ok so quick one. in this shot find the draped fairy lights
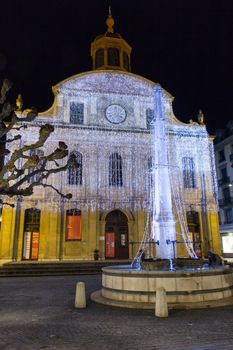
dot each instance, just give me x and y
(149, 174)
(97, 148)
(184, 179)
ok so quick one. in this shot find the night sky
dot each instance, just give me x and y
(186, 46)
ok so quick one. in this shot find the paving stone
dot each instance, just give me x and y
(38, 313)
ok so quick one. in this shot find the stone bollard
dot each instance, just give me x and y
(161, 308)
(80, 296)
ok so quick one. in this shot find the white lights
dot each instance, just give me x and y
(97, 139)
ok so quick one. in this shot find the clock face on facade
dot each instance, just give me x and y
(115, 114)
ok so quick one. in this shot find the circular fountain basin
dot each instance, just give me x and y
(185, 288)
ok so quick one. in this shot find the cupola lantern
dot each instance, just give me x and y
(109, 50)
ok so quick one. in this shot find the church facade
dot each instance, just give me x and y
(105, 116)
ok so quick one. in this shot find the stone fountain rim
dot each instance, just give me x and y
(127, 271)
(99, 299)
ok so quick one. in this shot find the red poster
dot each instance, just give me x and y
(73, 227)
(110, 245)
(35, 245)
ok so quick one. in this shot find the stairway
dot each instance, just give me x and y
(56, 268)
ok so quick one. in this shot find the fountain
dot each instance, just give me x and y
(195, 283)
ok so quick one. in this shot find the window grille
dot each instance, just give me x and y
(150, 171)
(115, 170)
(99, 58)
(113, 57)
(75, 171)
(36, 177)
(188, 172)
(125, 60)
(76, 113)
(150, 118)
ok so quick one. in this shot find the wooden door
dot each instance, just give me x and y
(31, 234)
(116, 235)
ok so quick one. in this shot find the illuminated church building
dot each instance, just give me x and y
(105, 116)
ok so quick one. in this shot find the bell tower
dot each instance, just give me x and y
(109, 50)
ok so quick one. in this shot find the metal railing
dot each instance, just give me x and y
(150, 247)
(224, 180)
(225, 201)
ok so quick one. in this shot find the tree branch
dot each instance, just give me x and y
(15, 173)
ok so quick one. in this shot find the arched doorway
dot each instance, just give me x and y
(116, 235)
(31, 234)
(194, 231)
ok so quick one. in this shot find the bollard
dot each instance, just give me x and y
(80, 296)
(161, 308)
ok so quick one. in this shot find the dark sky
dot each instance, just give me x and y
(185, 45)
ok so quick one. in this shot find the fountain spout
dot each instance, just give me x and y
(171, 267)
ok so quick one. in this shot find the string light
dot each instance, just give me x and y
(164, 199)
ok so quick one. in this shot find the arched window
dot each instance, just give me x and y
(76, 113)
(193, 222)
(150, 118)
(75, 171)
(115, 170)
(188, 172)
(150, 172)
(32, 219)
(113, 57)
(125, 60)
(36, 176)
(99, 58)
(31, 234)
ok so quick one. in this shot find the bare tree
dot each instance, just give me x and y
(23, 168)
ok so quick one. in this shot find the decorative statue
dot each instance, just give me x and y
(19, 103)
(201, 117)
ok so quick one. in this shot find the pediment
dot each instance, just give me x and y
(107, 82)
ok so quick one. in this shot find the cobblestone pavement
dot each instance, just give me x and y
(38, 313)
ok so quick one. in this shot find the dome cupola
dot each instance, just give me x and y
(109, 50)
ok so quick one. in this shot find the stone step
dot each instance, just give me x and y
(19, 269)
